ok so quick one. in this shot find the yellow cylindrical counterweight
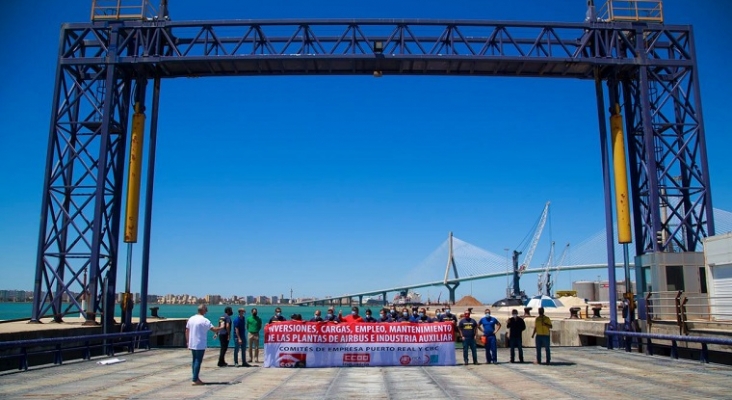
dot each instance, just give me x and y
(622, 201)
(134, 176)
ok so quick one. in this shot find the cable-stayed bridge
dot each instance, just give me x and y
(467, 262)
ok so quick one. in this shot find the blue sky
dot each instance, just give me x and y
(329, 185)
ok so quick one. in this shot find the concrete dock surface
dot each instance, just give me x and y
(575, 373)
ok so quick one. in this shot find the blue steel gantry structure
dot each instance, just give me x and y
(108, 68)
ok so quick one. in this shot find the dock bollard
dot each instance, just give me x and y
(527, 311)
(574, 313)
(596, 312)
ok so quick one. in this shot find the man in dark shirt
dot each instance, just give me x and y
(384, 316)
(516, 326)
(450, 317)
(278, 316)
(240, 338)
(393, 314)
(317, 317)
(467, 328)
(330, 316)
(423, 317)
(224, 335)
(369, 317)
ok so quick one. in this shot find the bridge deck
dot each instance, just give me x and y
(583, 373)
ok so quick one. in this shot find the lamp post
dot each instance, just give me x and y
(508, 270)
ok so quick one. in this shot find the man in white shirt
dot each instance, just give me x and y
(196, 336)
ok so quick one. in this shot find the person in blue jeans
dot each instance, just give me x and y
(490, 326)
(466, 328)
(197, 329)
(240, 338)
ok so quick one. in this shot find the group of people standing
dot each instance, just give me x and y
(418, 315)
(245, 330)
(242, 329)
(468, 328)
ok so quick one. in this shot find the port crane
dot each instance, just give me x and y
(546, 279)
(517, 296)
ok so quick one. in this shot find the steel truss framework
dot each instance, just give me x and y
(650, 70)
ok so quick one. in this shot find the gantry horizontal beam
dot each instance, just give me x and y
(361, 47)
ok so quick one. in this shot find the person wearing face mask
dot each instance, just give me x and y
(516, 326)
(467, 328)
(353, 317)
(384, 316)
(254, 326)
(393, 314)
(450, 317)
(317, 317)
(368, 317)
(404, 317)
(490, 326)
(278, 317)
(330, 316)
(422, 317)
(415, 315)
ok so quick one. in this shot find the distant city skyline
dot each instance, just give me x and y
(19, 295)
(332, 185)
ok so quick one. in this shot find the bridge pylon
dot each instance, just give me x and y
(451, 286)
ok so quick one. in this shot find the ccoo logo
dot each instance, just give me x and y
(405, 360)
(356, 357)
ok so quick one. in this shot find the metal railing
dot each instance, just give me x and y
(115, 10)
(106, 342)
(664, 306)
(632, 10)
(710, 309)
(684, 307)
(704, 341)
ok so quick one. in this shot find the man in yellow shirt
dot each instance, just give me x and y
(542, 325)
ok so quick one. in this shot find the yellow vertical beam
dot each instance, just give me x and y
(134, 176)
(622, 201)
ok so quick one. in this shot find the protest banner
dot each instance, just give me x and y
(294, 344)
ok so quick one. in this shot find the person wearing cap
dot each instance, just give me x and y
(353, 317)
(240, 338)
(490, 326)
(466, 328)
(516, 326)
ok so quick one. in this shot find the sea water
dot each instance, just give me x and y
(265, 312)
